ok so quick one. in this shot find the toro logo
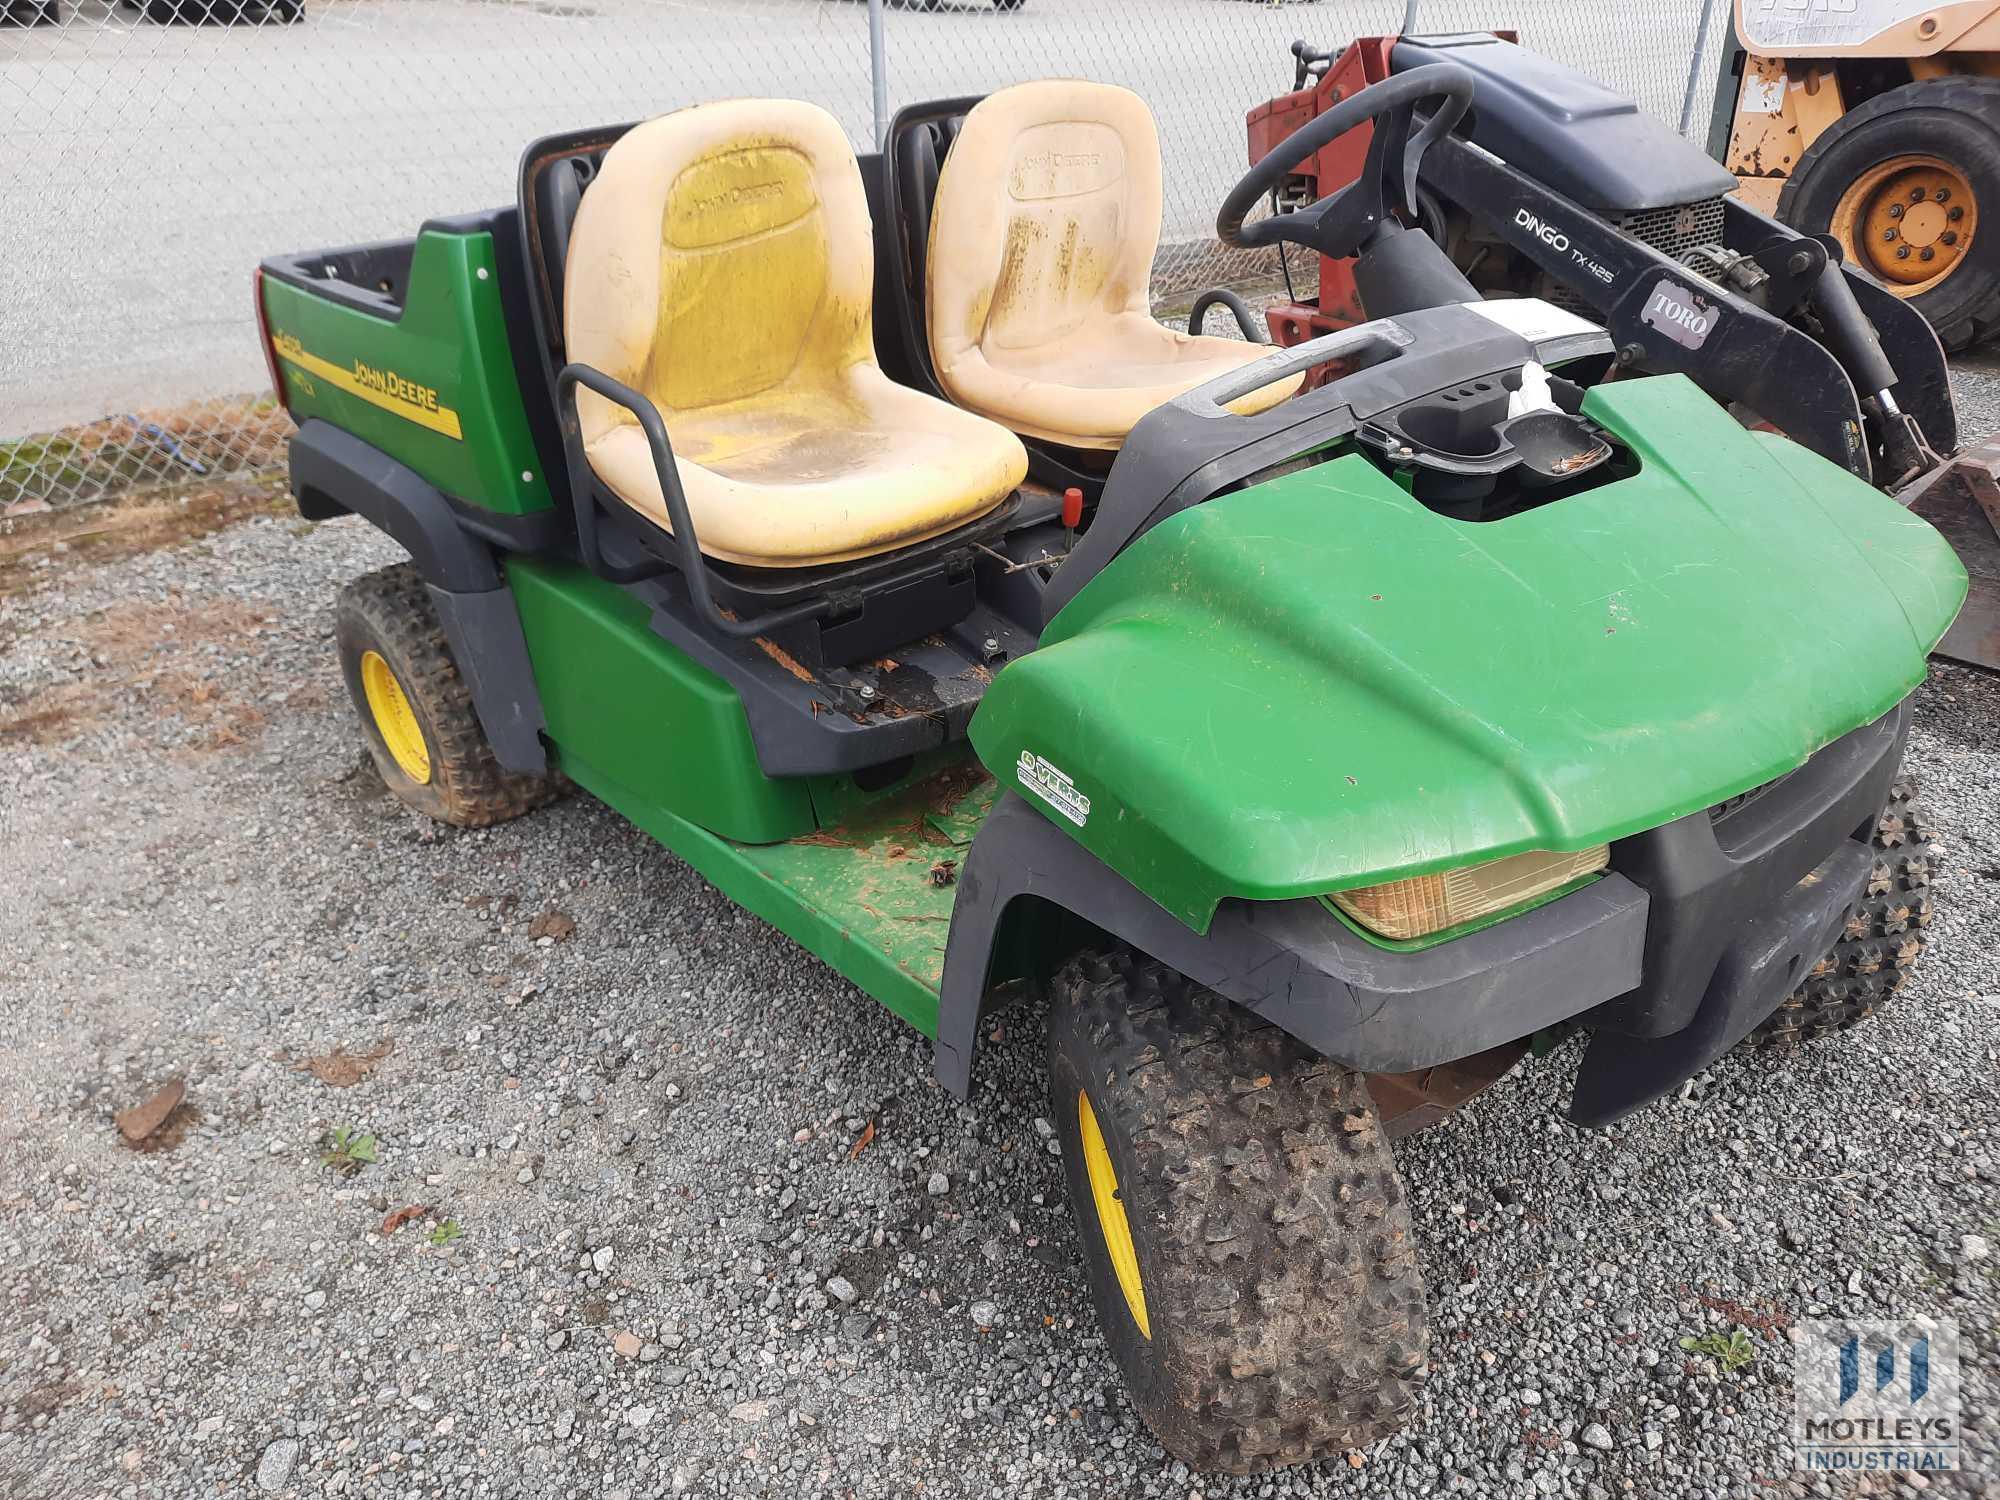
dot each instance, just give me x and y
(1547, 233)
(1674, 310)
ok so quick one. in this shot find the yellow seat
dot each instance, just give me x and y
(1039, 285)
(722, 263)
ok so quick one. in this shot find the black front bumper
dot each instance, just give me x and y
(1746, 896)
(1702, 927)
(1699, 930)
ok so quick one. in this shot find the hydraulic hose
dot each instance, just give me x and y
(1222, 296)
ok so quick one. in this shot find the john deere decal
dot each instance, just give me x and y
(384, 388)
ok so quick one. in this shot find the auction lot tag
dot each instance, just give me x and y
(1875, 1396)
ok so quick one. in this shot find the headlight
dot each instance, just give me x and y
(1425, 904)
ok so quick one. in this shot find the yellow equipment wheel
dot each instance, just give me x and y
(390, 712)
(1910, 220)
(1901, 182)
(415, 710)
(1112, 1225)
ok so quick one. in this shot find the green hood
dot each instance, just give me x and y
(1317, 683)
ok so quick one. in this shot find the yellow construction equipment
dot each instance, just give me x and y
(1876, 123)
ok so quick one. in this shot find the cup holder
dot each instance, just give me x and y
(1466, 429)
(1452, 430)
(1462, 422)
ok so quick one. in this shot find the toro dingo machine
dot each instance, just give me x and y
(1304, 747)
(1558, 188)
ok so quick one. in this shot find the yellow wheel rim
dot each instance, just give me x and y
(1111, 1221)
(394, 719)
(1908, 220)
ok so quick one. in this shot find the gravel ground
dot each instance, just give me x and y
(689, 1214)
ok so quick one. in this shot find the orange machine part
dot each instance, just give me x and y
(1339, 162)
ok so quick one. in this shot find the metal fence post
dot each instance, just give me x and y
(1694, 64)
(878, 71)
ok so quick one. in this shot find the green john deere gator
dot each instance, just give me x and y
(1308, 729)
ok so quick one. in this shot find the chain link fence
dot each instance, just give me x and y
(151, 154)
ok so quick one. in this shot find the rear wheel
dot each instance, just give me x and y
(1884, 937)
(1903, 182)
(416, 711)
(1242, 1223)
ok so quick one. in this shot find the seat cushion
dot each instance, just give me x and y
(821, 476)
(1090, 391)
(1038, 293)
(722, 263)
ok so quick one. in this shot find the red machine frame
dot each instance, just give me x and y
(1339, 162)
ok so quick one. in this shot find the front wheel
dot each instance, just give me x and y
(1242, 1224)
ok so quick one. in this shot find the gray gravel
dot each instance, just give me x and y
(649, 1260)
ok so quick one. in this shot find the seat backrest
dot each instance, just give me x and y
(558, 195)
(915, 155)
(722, 251)
(1046, 218)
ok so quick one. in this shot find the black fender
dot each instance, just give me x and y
(1293, 962)
(334, 473)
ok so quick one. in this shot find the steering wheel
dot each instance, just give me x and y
(1340, 225)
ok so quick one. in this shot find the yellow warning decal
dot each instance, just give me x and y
(384, 388)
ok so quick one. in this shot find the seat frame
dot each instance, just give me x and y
(860, 608)
(911, 162)
(842, 666)
(827, 615)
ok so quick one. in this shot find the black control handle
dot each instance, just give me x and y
(1339, 225)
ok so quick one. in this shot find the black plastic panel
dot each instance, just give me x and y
(1181, 453)
(1709, 875)
(372, 279)
(1293, 962)
(1570, 131)
(335, 473)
